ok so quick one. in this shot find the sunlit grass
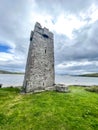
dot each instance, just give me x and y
(77, 110)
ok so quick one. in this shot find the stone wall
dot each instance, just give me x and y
(39, 73)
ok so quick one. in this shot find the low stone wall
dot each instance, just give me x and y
(56, 87)
(61, 88)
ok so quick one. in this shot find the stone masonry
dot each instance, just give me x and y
(39, 73)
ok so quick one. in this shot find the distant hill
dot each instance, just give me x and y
(9, 72)
(90, 75)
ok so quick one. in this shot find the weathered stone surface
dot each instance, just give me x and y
(39, 73)
(50, 88)
(61, 88)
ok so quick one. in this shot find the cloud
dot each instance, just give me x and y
(77, 67)
(68, 6)
(82, 48)
(14, 32)
(74, 24)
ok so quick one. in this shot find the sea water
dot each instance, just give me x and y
(17, 80)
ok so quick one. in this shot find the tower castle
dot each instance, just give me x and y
(39, 73)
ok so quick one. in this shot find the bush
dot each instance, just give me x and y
(92, 89)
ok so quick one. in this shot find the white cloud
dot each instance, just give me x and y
(74, 63)
(74, 24)
(66, 24)
(91, 14)
(5, 57)
(77, 67)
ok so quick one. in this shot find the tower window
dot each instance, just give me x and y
(45, 51)
(30, 38)
(45, 36)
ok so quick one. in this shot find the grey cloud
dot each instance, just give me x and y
(15, 27)
(91, 67)
(78, 68)
(69, 6)
(84, 46)
(13, 67)
(13, 19)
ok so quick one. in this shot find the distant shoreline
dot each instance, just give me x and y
(22, 73)
(13, 73)
(89, 75)
(8, 72)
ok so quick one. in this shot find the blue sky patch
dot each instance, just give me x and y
(4, 48)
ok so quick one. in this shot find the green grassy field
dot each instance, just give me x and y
(77, 110)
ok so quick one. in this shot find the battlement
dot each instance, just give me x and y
(38, 25)
(43, 31)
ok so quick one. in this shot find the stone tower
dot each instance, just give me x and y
(39, 73)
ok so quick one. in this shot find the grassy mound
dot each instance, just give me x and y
(77, 110)
(92, 89)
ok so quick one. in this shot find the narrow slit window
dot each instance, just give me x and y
(30, 38)
(45, 36)
(45, 51)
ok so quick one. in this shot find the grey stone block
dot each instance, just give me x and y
(50, 88)
(61, 88)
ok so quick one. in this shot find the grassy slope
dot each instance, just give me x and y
(90, 75)
(77, 110)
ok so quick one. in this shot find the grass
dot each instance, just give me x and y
(77, 110)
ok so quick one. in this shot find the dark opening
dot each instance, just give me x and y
(45, 50)
(30, 38)
(0, 85)
(43, 84)
(25, 86)
(44, 35)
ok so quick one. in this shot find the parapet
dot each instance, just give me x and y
(43, 31)
(38, 25)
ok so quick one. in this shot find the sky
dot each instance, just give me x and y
(73, 22)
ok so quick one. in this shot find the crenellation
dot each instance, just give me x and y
(38, 25)
(50, 35)
(43, 31)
